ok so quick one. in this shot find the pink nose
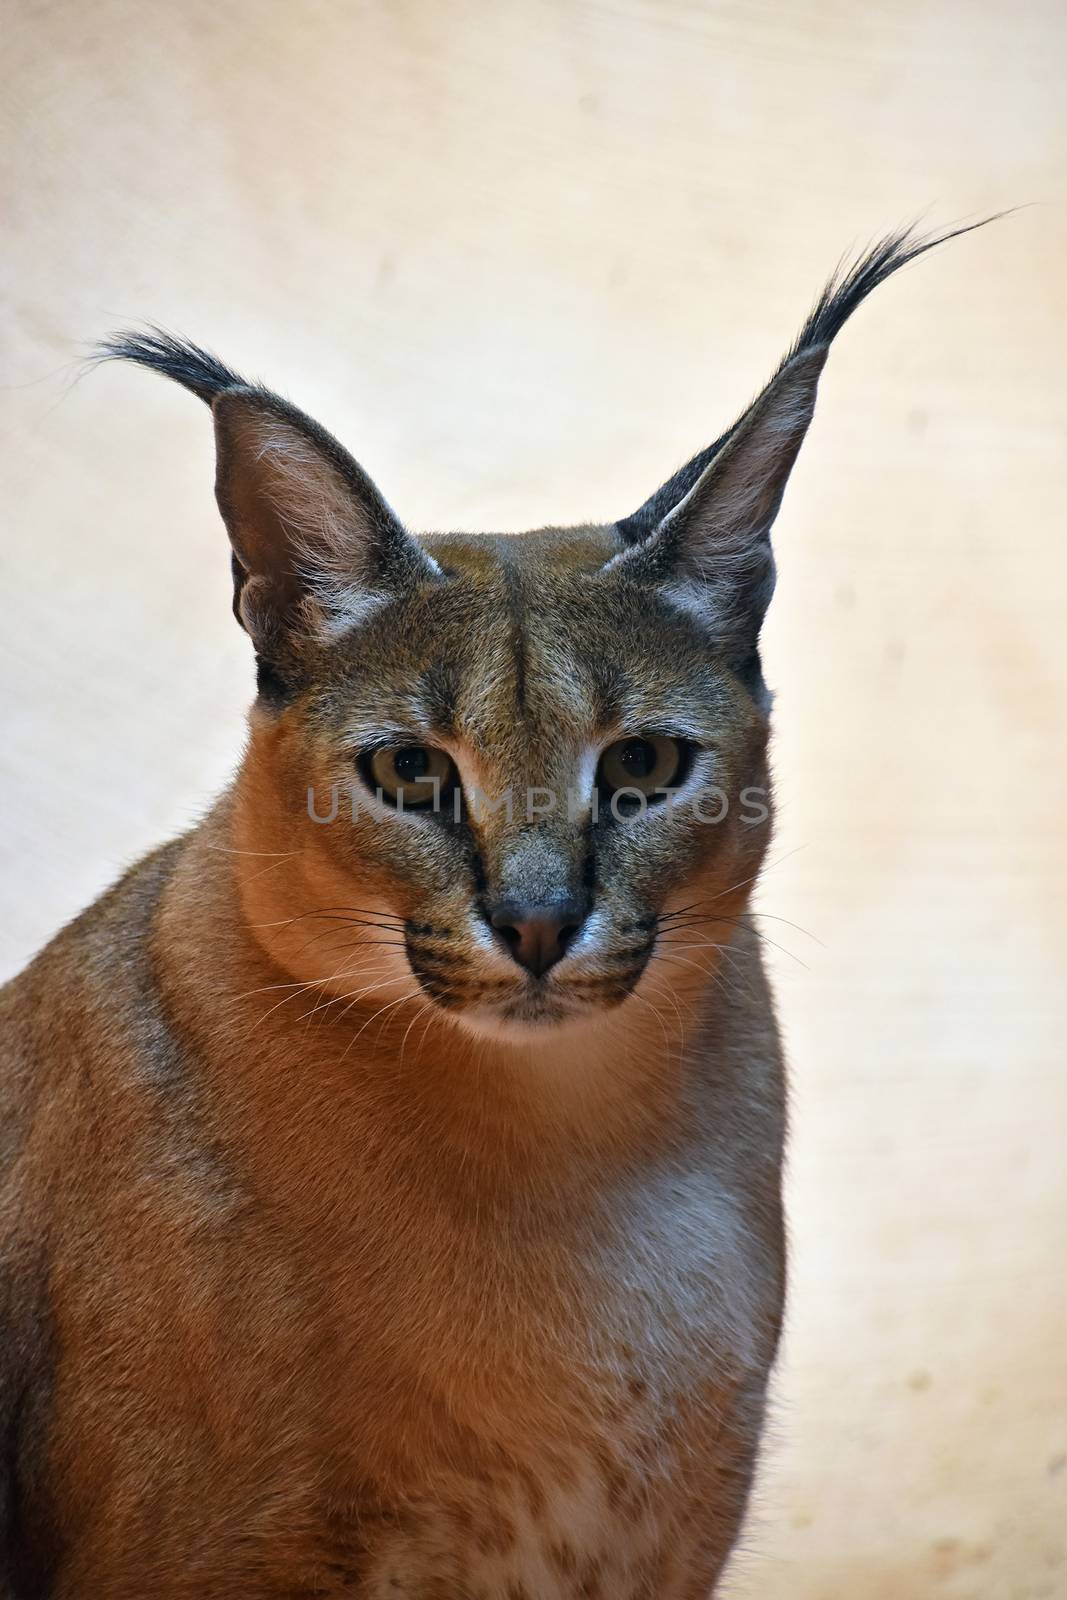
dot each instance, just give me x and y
(537, 935)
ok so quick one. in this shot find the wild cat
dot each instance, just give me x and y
(390, 1199)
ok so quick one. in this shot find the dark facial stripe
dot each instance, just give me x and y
(516, 609)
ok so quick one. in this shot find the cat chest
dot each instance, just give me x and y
(638, 1426)
(596, 1529)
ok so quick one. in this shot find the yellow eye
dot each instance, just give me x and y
(412, 775)
(644, 763)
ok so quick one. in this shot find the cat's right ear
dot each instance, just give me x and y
(709, 545)
(315, 545)
(705, 535)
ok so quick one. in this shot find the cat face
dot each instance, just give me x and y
(511, 770)
(461, 744)
(533, 755)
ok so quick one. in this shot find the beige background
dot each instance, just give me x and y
(524, 257)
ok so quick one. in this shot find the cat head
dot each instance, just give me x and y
(509, 775)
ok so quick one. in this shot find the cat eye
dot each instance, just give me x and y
(643, 763)
(412, 775)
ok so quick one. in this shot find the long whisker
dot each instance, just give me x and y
(765, 939)
(769, 916)
(671, 921)
(350, 919)
(361, 944)
(716, 974)
(426, 1006)
(760, 872)
(373, 1018)
(737, 922)
(313, 985)
(231, 850)
(352, 995)
(426, 1031)
(355, 998)
(662, 989)
(699, 922)
(300, 983)
(332, 933)
(328, 911)
(645, 1001)
(722, 949)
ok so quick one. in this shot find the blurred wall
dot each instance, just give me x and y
(524, 257)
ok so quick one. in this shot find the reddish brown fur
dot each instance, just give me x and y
(314, 1290)
(466, 1282)
(303, 1314)
(324, 1304)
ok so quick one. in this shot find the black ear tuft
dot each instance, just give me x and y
(847, 289)
(850, 285)
(186, 363)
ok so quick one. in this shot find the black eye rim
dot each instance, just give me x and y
(688, 750)
(364, 766)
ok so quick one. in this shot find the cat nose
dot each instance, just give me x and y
(537, 935)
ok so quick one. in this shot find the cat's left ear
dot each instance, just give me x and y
(705, 536)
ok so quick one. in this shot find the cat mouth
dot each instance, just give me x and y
(535, 1004)
(540, 1004)
(534, 1010)
(568, 992)
(534, 1013)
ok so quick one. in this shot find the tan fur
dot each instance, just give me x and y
(342, 1306)
(343, 1251)
(339, 1256)
(331, 1322)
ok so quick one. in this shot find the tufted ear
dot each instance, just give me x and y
(711, 550)
(314, 543)
(704, 537)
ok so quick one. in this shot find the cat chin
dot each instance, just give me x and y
(528, 1024)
